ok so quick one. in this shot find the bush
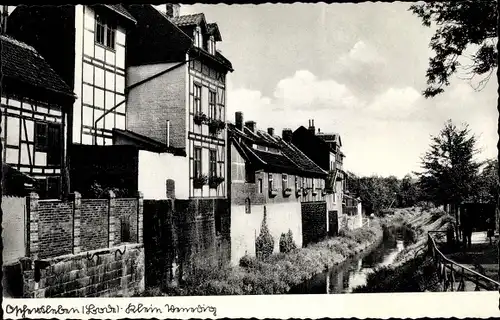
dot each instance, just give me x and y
(286, 242)
(416, 275)
(264, 244)
(248, 262)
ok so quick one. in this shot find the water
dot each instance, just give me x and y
(353, 272)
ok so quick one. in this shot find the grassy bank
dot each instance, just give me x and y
(276, 274)
(412, 270)
(415, 275)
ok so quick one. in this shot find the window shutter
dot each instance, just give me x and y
(54, 144)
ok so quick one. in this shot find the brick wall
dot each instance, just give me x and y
(94, 224)
(89, 262)
(178, 231)
(117, 271)
(154, 102)
(55, 228)
(314, 221)
(125, 214)
(63, 227)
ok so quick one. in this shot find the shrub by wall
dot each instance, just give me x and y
(286, 242)
(264, 244)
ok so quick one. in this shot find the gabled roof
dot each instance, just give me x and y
(22, 63)
(213, 29)
(330, 137)
(118, 8)
(300, 158)
(147, 143)
(155, 39)
(158, 38)
(288, 159)
(313, 137)
(189, 19)
(218, 57)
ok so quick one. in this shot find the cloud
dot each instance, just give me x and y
(395, 103)
(251, 102)
(304, 91)
(361, 53)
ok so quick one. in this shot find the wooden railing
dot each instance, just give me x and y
(452, 275)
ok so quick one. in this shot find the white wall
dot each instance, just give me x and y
(14, 228)
(156, 168)
(245, 227)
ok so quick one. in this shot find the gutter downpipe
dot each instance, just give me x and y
(131, 87)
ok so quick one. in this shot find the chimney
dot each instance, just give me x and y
(172, 10)
(238, 119)
(250, 125)
(270, 131)
(286, 134)
(312, 129)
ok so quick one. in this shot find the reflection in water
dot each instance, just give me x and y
(352, 273)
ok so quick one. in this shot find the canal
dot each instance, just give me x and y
(353, 272)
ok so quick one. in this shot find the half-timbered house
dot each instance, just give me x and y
(35, 102)
(177, 82)
(86, 45)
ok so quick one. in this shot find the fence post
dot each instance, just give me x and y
(112, 225)
(140, 213)
(33, 226)
(77, 203)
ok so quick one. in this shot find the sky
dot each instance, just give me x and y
(356, 69)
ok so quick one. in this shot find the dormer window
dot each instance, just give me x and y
(211, 45)
(198, 40)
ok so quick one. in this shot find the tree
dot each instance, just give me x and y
(376, 193)
(409, 192)
(488, 186)
(450, 172)
(461, 26)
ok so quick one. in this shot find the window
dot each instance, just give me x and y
(260, 186)
(197, 98)
(285, 181)
(48, 139)
(249, 174)
(105, 32)
(270, 186)
(212, 98)
(211, 45)
(248, 208)
(296, 183)
(197, 161)
(41, 137)
(213, 163)
(198, 40)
